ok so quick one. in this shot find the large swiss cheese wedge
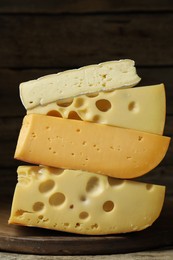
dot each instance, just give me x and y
(140, 108)
(74, 144)
(89, 79)
(82, 202)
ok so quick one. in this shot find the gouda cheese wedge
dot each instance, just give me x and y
(73, 144)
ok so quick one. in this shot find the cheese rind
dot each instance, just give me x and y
(89, 79)
(140, 108)
(73, 144)
(82, 202)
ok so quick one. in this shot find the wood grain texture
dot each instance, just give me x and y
(82, 6)
(166, 254)
(47, 41)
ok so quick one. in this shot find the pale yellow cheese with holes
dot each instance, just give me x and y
(89, 79)
(82, 202)
(140, 108)
(80, 145)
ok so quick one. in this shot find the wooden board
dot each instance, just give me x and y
(46, 41)
(92, 6)
(46, 242)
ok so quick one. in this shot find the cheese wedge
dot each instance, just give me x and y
(82, 202)
(140, 108)
(89, 79)
(73, 144)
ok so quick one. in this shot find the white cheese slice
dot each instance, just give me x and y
(82, 202)
(89, 79)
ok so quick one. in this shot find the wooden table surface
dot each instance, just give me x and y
(156, 255)
(41, 37)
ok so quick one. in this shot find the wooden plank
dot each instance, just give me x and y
(96, 6)
(10, 128)
(10, 80)
(70, 41)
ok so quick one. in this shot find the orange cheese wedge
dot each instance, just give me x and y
(65, 143)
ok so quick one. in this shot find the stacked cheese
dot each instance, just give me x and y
(89, 131)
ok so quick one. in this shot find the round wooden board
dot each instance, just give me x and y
(46, 242)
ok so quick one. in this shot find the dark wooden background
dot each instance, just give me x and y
(39, 37)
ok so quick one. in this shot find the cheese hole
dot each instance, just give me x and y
(57, 199)
(115, 182)
(103, 105)
(45, 220)
(96, 119)
(74, 115)
(94, 186)
(46, 186)
(78, 130)
(40, 217)
(20, 212)
(77, 225)
(33, 135)
(64, 103)
(38, 206)
(71, 206)
(140, 138)
(104, 76)
(54, 113)
(79, 102)
(83, 198)
(108, 206)
(56, 171)
(83, 215)
(94, 226)
(92, 95)
(132, 106)
(149, 186)
(66, 224)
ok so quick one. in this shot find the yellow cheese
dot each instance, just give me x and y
(82, 202)
(89, 79)
(141, 108)
(74, 144)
